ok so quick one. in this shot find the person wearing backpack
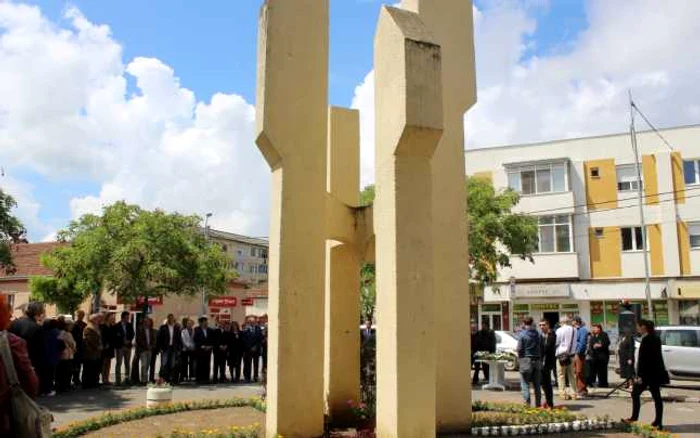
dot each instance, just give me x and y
(24, 371)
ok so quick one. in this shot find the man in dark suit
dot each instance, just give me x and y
(204, 344)
(77, 333)
(123, 342)
(549, 347)
(485, 340)
(651, 373)
(220, 343)
(252, 342)
(169, 345)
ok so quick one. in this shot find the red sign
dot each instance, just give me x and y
(248, 301)
(223, 302)
(153, 301)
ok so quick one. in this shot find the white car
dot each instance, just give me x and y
(507, 343)
(681, 351)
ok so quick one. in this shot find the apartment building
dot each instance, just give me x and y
(591, 246)
(248, 255)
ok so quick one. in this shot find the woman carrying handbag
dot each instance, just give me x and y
(19, 414)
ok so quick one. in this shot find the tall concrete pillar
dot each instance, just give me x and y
(451, 22)
(342, 348)
(408, 98)
(292, 99)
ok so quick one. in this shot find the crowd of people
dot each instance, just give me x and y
(69, 354)
(581, 357)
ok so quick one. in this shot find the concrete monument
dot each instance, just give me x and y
(319, 236)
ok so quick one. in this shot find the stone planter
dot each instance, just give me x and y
(156, 397)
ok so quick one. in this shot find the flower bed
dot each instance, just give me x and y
(645, 430)
(113, 418)
(485, 355)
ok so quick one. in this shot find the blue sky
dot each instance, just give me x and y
(211, 47)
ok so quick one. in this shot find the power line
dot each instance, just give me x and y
(653, 128)
(587, 205)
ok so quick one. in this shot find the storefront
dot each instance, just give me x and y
(687, 295)
(606, 314)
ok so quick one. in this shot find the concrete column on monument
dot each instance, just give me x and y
(292, 107)
(342, 348)
(451, 22)
(408, 99)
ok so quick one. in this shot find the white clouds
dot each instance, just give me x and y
(581, 90)
(65, 111)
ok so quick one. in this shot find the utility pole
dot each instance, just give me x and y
(647, 284)
(204, 292)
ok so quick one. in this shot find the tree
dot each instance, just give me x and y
(135, 253)
(495, 232)
(59, 291)
(11, 231)
(368, 284)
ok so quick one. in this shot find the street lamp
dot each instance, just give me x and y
(206, 236)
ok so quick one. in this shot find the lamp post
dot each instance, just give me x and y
(206, 236)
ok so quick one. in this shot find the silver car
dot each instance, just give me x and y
(681, 350)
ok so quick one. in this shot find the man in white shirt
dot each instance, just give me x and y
(170, 345)
(566, 349)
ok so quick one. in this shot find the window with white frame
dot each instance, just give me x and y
(540, 178)
(555, 234)
(627, 178)
(632, 239)
(691, 171)
(694, 233)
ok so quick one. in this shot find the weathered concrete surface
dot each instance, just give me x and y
(408, 98)
(342, 340)
(292, 122)
(451, 23)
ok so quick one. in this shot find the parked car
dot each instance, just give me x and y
(681, 351)
(507, 343)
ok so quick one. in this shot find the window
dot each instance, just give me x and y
(681, 338)
(691, 171)
(627, 179)
(262, 269)
(632, 239)
(542, 178)
(252, 251)
(694, 233)
(555, 234)
(595, 172)
(239, 252)
(599, 233)
(251, 269)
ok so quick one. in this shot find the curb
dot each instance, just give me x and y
(646, 397)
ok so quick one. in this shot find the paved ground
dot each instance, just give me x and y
(682, 418)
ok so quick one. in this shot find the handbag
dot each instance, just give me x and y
(564, 359)
(29, 420)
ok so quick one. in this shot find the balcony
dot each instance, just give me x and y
(546, 266)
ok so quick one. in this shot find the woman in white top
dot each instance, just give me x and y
(187, 362)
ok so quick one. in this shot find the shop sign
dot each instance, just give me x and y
(569, 306)
(687, 291)
(153, 301)
(490, 307)
(542, 290)
(248, 302)
(544, 306)
(521, 307)
(223, 302)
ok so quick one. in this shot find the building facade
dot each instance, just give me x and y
(248, 255)
(591, 245)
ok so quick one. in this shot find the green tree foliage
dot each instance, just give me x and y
(495, 232)
(11, 231)
(135, 253)
(368, 284)
(59, 291)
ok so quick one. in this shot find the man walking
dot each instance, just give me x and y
(529, 357)
(566, 350)
(549, 347)
(485, 340)
(123, 341)
(169, 344)
(582, 334)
